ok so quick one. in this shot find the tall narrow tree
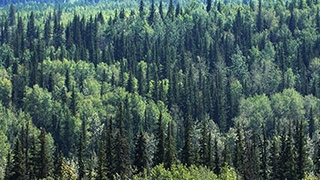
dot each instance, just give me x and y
(141, 157)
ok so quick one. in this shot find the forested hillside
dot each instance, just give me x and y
(160, 90)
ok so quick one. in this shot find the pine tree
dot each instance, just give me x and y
(239, 152)
(122, 155)
(81, 160)
(152, 13)
(287, 167)
(264, 154)
(31, 30)
(170, 10)
(301, 153)
(226, 155)
(12, 16)
(102, 156)
(18, 171)
(217, 163)
(161, 10)
(204, 149)
(170, 151)
(58, 163)
(44, 156)
(8, 167)
(141, 157)
(311, 123)
(160, 149)
(317, 158)
(274, 159)
(209, 3)
(110, 154)
(187, 151)
(141, 9)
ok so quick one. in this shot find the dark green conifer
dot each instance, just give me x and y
(81, 158)
(102, 156)
(159, 151)
(152, 13)
(217, 163)
(18, 171)
(187, 151)
(12, 16)
(141, 157)
(170, 156)
(44, 156)
(209, 4)
(301, 152)
(204, 149)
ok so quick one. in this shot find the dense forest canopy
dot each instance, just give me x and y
(160, 89)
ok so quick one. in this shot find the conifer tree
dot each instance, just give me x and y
(301, 153)
(8, 167)
(204, 149)
(317, 158)
(141, 157)
(160, 148)
(57, 165)
(226, 155)
(44, 156)
(311, 123)
(152, 13)
(122, 156)
(170, 10)
(102, 156)
(264, 152)
(161, 10)
(187, 151)
(217, 163)
(209, 4)
(170, 151)
(110, 155)
(274, 159)
(12, 16)
(81, 160)
(286, 163)
(18, 171)
(141, 9)
(239, 152)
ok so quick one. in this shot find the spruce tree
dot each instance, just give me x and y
(239, 152)
(141, 157)
(187, 151)
(102, 156)
(226, 155)
(204, 149)
(8, 167)
(58, 164)
(274, 159)
(152, 13)
(301, 152)
(217, 163)
(110, 155)
(12, 16)
(141, 9)
(264, 154)
(287, 167)
(122, 154)
(81, 158)
(170, 156)
(18, 171)
(44, 156)
(161, 10)
(209, 3)
(160, 148)
(170, 10)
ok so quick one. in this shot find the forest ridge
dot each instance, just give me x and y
(159, 90)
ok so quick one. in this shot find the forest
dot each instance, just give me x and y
(154, 89)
